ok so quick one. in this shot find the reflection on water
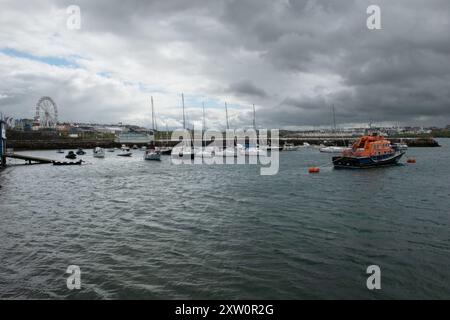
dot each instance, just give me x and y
(149, 230)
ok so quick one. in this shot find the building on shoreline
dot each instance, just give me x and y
(136, 137)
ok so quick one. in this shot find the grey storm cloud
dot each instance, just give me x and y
(246, 88)
(293, 59)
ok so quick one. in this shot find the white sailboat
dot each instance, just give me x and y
(186, 150)
(151, 153)
(228, 151)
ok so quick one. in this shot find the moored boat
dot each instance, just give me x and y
(290, 147)
(368, 152)
(333, 149)
(99, 153)
(125, 152)
(152, 154)
(80, 152)
(71, 155)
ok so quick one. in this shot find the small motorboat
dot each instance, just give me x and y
(251, 151)
(71, 155)
(99, 153)
(125, 152)
(80, 152)
(400, 146)
(152, 154)
(144, 148)
(290, 147)
(60, 151)
(135, 147)
(368, 152)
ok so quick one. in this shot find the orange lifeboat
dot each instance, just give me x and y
(368, 152)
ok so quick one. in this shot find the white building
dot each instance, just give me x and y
(133, 137)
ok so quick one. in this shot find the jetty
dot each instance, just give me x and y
(29, 159)
(38, 160)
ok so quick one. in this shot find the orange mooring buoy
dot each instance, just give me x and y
(411, 160)
(314, 170)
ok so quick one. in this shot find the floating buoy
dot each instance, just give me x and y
(411, 160)
(314, 170)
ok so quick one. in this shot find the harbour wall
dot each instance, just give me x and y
(53, 144)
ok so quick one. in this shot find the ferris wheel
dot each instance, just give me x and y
(46, 113)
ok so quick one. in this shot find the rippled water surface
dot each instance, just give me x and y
(151, 230)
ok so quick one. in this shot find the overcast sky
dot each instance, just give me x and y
(293, 59)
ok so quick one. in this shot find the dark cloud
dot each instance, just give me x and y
(246, 88)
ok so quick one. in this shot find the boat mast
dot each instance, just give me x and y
(153, 115)
(167, 135)
(184, 116)
(254, 118)
(204, 120)
(334, 119)
(226, 115)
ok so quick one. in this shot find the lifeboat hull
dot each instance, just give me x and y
(346, 162)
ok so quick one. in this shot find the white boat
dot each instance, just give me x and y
(99, 153)
(290, 147)
(227, 152)
(333, 149)
(125, 152)
(251, 151)
(206, 152)
(400, 146)
(152, 154)
(306, 145)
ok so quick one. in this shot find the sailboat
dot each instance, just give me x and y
(152, 153)
(251, 150)
(205, 151)
(184, 151)
(333, 149)
(166, 150)
(228, 151)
